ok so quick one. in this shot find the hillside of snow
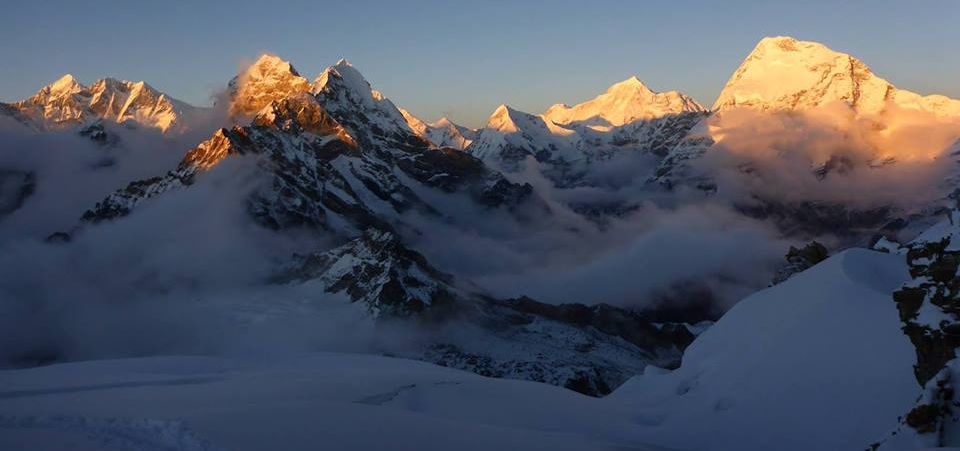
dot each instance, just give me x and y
(793, 367)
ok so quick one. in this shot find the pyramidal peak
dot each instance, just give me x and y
(502, 119)
(785, 74)
(351, 78)
(268, 79)
(622, 103)
(269, 64)
(65, 85)
(632, 84)
(506, 119)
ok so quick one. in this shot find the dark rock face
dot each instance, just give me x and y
(13, 113)
(589, 378)
(686, 302)
(808, 219)
(934, 269)
(590, 349)
(924, 418)
(377, 270)
(657, 136)
(929, 307)
(15, 188)
(799, 260)
(98, 133)
(629, 326)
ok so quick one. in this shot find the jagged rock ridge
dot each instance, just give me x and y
(590, 349)
(335, 158)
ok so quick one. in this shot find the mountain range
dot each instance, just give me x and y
(424, 228)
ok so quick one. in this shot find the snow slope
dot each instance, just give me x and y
(316, 401)
(442, 133)
(817, 362)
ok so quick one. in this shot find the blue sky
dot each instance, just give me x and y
(462, 59)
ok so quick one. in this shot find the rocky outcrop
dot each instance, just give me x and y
(590, 349)
(929, 307)
(15, 188)
(799, 260)
(378, 271)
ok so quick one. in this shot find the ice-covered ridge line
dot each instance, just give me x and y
(66, 102)
(624, 102)
(441, 133)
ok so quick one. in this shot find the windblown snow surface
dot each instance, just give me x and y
(793, 367)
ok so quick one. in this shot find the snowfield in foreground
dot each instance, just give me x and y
(321, 401)
(793, 367)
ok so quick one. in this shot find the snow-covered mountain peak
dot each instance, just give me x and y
(502, 119)
(268, 79)
(630, 85)
(67, 102)
(66, 84)
(510, 136)
(785, 74)
(271, 66)
(350, 78)
(624, 102)
(344, 93)
(506, 119)
(441, 133)
(784, 43)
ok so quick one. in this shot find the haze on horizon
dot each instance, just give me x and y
(461, 61)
